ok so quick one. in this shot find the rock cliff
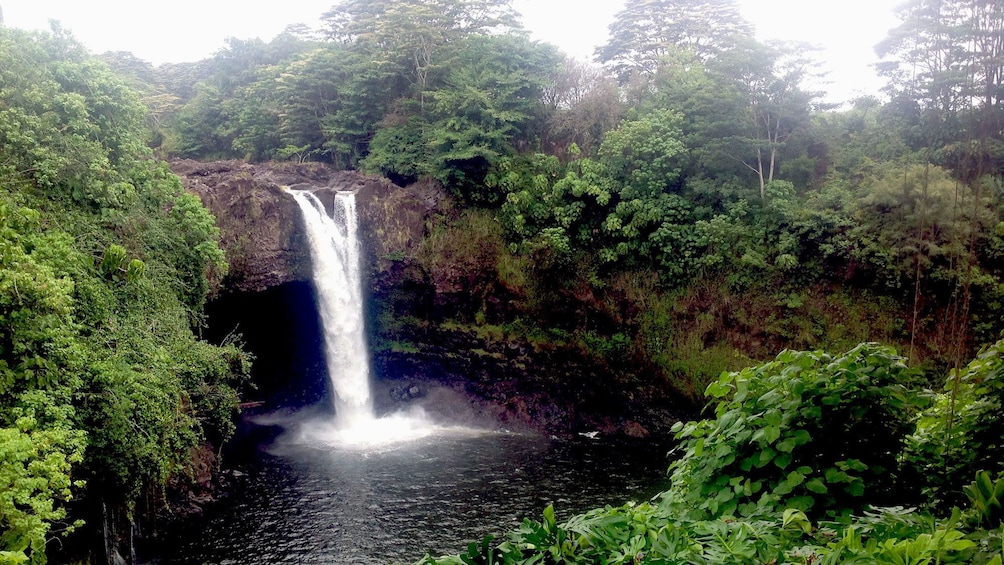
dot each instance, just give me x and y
(261, 229)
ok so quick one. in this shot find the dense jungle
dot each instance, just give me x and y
(680, 239)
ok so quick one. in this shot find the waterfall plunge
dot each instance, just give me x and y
(334, 248)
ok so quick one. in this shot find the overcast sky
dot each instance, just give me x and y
(189, 30)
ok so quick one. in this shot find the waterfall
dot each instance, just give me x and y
(334, 248)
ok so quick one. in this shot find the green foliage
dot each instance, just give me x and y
(105, 263)
(68, 121)
(645, 156)
(962, 431)
(807, 431)
(771, 238)
(199, 261)
(760, 442)
(460, 127)
(237, 106)
(642, 533)
(38, 449)
(551, 207)
(987, 497)
(333, 98)
(626, 196)
(644, 160)
(398, 149)
(644, 31)
(913, 218)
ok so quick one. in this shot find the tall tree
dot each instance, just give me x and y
(583, 103)
(362, 20)
(645, 30)
(418, 33)
(218, 111)
(331, 99)
(947, 57)
(769, 78)
(987, 28)
(489, 105)
(926, 53)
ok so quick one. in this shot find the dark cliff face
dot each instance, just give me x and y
(261, 228)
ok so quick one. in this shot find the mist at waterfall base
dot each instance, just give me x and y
(306, 486)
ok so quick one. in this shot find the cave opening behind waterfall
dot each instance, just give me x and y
(281, 328)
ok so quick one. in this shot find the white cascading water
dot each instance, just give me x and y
(334, 248)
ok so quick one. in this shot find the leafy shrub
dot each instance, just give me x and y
(780, 442)
(962, 432)
(642, 533)
(809, 430)
(105, 263)
(987, 498)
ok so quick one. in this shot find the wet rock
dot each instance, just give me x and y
(556, 391)
(406, 393)
(260, 228)
(635, 430)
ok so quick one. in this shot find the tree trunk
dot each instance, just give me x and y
(759, 172)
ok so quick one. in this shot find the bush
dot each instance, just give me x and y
(808, 430)
(962, 432)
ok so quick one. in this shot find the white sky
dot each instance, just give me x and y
(189, 30)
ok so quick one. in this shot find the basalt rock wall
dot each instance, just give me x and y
(261, 229)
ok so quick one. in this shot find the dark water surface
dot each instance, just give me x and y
(304, 504)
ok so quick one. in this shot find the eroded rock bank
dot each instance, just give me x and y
(516, 382)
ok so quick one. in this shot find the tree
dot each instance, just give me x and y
(330, 99)
(582, 104)
(769, 78)
(105, 263)
(948, 58)
(914, 219)
(363, 20)
(928, 53)
(418, 34)
(227, 106)
(644, 159)
(487, 106)
(646, 30)
(712, 105)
